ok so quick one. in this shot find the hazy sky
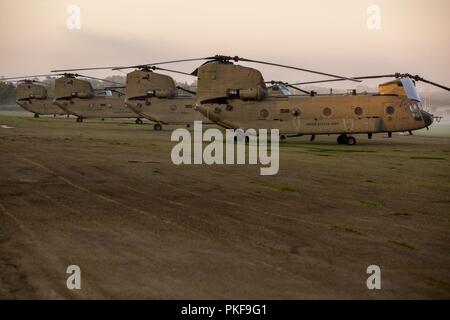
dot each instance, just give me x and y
(330, 36)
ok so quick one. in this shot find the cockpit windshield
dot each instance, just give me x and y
(284, 89)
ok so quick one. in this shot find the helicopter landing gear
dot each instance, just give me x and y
(36, 115)
(138, 121)
(157, 127)
(344, 139)
(351, 141)
(79, 119)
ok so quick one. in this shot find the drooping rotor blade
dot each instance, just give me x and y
(186, 90)
(273, 82)
(297, 88)
(170, 70)
(418, 78)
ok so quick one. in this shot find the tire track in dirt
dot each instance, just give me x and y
(33, 239)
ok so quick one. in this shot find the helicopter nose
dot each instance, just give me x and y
(427, 118)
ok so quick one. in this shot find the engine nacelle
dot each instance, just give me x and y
(25, 91)
(226, 80)
(142, 84)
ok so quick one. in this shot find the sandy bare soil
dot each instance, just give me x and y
(105, 196)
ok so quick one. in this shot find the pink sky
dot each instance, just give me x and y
(329, 36)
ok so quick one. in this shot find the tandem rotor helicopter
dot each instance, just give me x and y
(235, 96)
(72, 96)
(32, 95)
(155, 96)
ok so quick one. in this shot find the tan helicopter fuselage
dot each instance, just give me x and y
(33, 98)
(154, 96)
(235, 97)
(77, 97)
(178, 110)
(319, 114)
(96, 107)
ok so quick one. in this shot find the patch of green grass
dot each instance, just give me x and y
(284, 188)
(403, 244)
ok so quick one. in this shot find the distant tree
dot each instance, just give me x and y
(7, 93)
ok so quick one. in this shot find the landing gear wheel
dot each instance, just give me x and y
(157, 127)
(138, 121)
(342, 139)
(351, 141)
(36, 115)
(79, 119)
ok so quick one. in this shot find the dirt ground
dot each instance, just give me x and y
(106, 197)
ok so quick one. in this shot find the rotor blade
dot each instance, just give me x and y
(163, 62)
(432, 83)
(294, 68)
(26, 80)
(358, 78)
(32, 76)
(94, 78)
(85, 69)
(170, 70)
(186, 90)
(296, 88)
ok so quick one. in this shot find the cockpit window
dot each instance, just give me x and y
(284, 89)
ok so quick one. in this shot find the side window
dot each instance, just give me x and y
(358, 111)
(327, 112)
(390, 110)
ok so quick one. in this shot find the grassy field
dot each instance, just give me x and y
(105, 196)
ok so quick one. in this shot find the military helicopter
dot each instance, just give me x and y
(32, 95)
(156, 97)
(79, 98)
(236, 96)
